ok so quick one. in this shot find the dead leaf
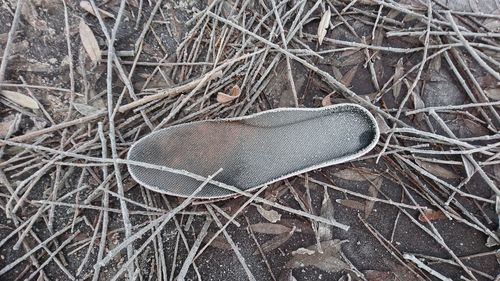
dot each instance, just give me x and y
(90, 42)
(275, 242)
(493, 93)
(492, 24)
(228, 9)
(349, 76)
(327, 100)
(373, 192)
(300, 225)
(219, 242)
(270, 215)
(134, 3)
(88, 7)
(436, 64)
(235, 91)
(4, 128)
(393, 14)
(353, 59)
(323, 25)
(225, 98)
(474, 7)
(418, 103)
(269, 228)
(378, 40)
(85, 109)
(324, 230)
(487, 81)
(431, 215)
(472, 128)
(409, 17)
(349, 53)
(398, 73)
(356, 174)
(490, 241)
(20, 99)
(353, 204)
(7, 123)
(30, 15)
(382, 124)
(330, 260)
(336, 73)
(437, 170)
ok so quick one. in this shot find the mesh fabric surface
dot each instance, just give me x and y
(253, 150)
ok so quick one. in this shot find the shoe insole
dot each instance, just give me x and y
(253, 150)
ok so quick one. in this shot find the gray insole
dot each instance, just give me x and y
(252, 151)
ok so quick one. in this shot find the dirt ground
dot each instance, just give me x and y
(51, 236)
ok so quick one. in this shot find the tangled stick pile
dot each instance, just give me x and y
(428, 72)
